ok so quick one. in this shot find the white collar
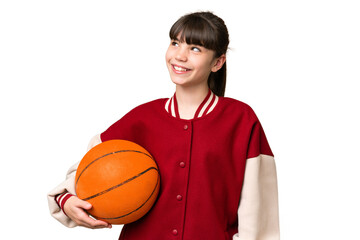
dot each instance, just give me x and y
(207, 105)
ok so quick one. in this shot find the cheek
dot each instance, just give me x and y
(168, 55)
(167, 59)
(205, 66)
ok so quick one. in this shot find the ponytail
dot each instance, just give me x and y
(217, 81)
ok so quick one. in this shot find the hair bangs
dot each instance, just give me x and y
(194, 30)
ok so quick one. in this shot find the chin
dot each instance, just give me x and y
(178, 80)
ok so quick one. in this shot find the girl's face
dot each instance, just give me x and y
(191, 65)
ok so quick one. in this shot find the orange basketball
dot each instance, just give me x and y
(120, 179)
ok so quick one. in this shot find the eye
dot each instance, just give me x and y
(196, 49)
(174, 43)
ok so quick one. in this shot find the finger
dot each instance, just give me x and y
(83, 204)
(92, 223)
(86, 220)
(101, 224)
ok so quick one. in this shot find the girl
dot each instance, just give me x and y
(218, 178)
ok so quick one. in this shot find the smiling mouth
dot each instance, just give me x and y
(180, 69)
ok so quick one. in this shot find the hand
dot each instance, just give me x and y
(75, 209)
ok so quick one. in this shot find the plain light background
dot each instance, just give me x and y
(69, 69)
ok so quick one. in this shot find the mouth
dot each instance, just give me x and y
(180, 69)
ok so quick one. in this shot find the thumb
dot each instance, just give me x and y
(85, 205)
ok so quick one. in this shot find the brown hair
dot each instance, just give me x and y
(207, 30)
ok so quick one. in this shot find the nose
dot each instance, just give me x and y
(181, 54)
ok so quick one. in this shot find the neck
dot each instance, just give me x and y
(189, 99)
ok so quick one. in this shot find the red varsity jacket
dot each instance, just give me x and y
(201, 163)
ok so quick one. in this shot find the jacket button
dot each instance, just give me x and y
(186, 127)
(179, 197)
(174, 232)
(182, 164)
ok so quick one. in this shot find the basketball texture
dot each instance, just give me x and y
(120, 179)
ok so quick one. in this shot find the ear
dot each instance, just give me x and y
(218, 63)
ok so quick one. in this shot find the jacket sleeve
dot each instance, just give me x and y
(67, 186)
(258, 215)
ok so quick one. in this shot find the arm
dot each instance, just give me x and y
(258, 210)
(68, 186)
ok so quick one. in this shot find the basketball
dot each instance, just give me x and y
(120, 179)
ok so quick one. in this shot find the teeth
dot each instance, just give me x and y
(180, 69)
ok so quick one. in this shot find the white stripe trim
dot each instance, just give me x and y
(173, 107)
(214, 104)
(61, 197)
(167, 104)
(58, 198)
(201, 113)
(206, 105)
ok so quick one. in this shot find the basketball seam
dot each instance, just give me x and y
(157, 183)
(97, 159)
(119, 185)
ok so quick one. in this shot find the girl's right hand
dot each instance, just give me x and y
(75, 208)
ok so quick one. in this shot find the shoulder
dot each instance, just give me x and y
(128, 126)
(249, 126)
(149, 107)
(237, 107)
(235, 102)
